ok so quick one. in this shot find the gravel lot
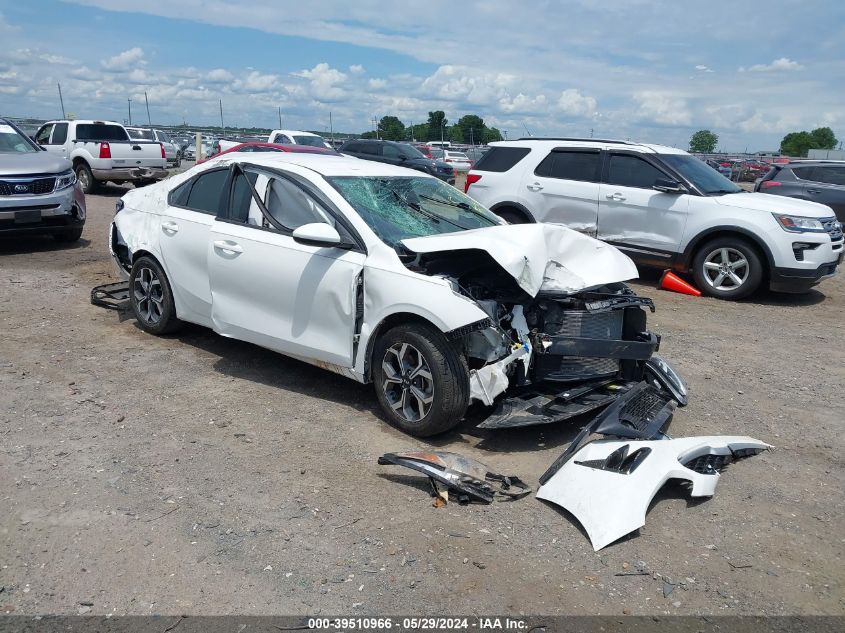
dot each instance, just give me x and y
(195, 474)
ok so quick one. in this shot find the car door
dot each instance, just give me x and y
(633, 215)
(391, 155)
(273, 291)
(564, 188)
(57, 140)
(185, 227)
(828, 187)
(42, 136)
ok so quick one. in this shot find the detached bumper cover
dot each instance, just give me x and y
(608, 484)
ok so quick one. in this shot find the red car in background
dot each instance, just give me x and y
(274, 147)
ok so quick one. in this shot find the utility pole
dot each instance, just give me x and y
(221, 117)
(62, 101)
(280, 117)
(442, 125)
(591, 132)
(331, 127)
(149, 120)
(471, 139)
(129, 101)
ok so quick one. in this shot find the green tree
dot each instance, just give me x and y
(436, 122)
(797, 143)
(419, 132)
(392, 129)
(456, 134)
(824, 138)
(703, 142)
(473, 128)
(492, 134)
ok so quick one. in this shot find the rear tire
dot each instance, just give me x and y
(421, 381)
(68, 237)
(512, 216)
(728, 268)
(151, 297)
(85, 178)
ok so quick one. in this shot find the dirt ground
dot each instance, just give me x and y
(195, 474)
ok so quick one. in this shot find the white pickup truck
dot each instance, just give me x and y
(102, 151)
(281, 137)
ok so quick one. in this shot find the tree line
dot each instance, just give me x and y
(470, 129)
(793, 144)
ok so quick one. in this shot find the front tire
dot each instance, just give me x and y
(421, 381)
(728, 268)
(151, 297)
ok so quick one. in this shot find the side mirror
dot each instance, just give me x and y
(317, 234)
(402, 157)
(667, 185)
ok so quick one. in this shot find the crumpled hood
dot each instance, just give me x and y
(774, 204)
(546, 257)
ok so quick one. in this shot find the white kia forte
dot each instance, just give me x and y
(389, 276)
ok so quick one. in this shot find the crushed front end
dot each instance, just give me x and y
(558, 356)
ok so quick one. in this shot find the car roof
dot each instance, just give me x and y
(285, 147)
(320, 163)
(549, 143)
(813, 161)
(297, 132)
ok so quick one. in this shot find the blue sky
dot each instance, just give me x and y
(650, 71)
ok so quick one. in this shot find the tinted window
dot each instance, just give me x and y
(369, 148)
(59, 134)
(290, 206)
(410, 151)
(571, 166)
(630, 171)
(390, 151)
(501, 158)
(313, 141)
(708, 180)
(139, 134)
(830, 175)
(179, 196)
(206, 192)
(100, 132)
(241, 196)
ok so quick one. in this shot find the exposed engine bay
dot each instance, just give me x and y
(557, 354)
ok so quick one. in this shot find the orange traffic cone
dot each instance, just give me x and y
(670, 281)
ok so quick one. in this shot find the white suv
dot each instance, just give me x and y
(664, 208)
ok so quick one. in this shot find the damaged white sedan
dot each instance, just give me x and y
(388, 276)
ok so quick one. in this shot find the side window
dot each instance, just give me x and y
(179, 196)
(583, 166)
(371, 149)
(207, 190)
(59, 134)
(352, 148)
(804, 173)
(830, 175)
(282, 139)
(389, 151)
(292, 207)
(242, 196)
(501, 159)
(43, 136)
(631, 171)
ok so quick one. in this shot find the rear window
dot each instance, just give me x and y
(141, 135)
(100, 132)
(499, 159)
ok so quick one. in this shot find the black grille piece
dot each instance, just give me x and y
(36, 186)
(619, 461)
(639, 412)
(833, 228)
(709, 464)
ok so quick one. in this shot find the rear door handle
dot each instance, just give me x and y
(534, 187)
(170, 227)
(813, 191)
(618, 197)
(228, 247)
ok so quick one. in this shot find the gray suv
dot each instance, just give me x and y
(38, 190)
(816, 180)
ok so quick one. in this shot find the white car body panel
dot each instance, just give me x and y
(539, 256)
(610, 504)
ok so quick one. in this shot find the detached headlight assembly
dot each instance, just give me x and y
(798, 224)
(65, 180)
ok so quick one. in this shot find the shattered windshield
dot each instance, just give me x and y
(396, 208)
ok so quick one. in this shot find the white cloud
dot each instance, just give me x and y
(781, 64)
(356, 69)
(127, 60)
(377, 84)
(572, 102)
(325, 82)
(663, 108)
(704, 69)
(219, 75)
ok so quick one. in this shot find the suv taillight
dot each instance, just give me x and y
(770, 183)
(471, 178)
(163, 155)
(105, 150)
